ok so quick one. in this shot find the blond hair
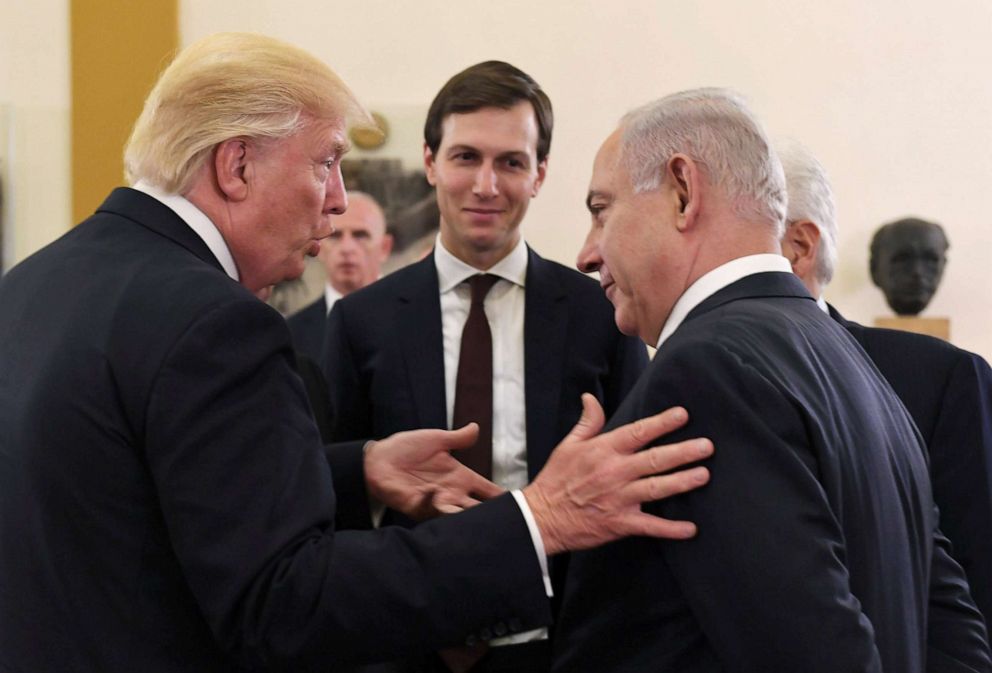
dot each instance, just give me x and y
(225, 86)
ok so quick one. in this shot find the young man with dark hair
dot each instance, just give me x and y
(405, 352)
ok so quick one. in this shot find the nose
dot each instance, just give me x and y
(485, 181)
(335, 195)
(589, 259)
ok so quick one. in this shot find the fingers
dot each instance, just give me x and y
(647, 525)
(666, 457)
(477, 485)
(591, 421)
(453, 507)
(628, 438)
(657, 488)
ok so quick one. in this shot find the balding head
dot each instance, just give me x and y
(354, 252)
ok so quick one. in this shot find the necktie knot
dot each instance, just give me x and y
(481, 284)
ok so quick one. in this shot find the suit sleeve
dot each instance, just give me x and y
(765, 576)
(961, 468)
(956, 637)
(247, 496)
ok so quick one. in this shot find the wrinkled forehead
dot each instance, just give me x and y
(362, 214)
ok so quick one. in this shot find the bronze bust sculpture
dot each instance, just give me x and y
(907, 262)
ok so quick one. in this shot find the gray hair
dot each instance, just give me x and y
(715, 128)
(811, 198)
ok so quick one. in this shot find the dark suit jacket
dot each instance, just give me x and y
(384, 359)
(165, 502)
(384, 356)
(817, 547)
(948, 392)
(308, 327)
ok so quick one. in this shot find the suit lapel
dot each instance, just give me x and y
(545, 332)
(420, 340)
(155, 215)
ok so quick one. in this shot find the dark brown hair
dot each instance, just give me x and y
(490, 84)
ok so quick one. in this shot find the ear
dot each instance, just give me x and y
(429, 168)
(386, 246)
(800, 245)
(542, 170)
(685, 180)
(230, 167)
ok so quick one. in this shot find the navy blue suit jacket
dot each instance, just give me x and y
(308, 327)
(165, 500)
(384, 356)
(948, 392)
(817, 548)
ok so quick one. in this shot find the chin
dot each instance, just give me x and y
(624, 323)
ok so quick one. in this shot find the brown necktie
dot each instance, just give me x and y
(474, 383)
(474, 402)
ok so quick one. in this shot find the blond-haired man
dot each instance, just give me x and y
(165, 502)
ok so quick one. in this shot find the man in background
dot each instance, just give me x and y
(352, 257)
(484, 329)
(820, 551)
(947, 390)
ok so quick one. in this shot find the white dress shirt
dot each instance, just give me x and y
(504, 307)
(710, 283)
(330, 296)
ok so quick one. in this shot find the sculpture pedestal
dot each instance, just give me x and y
(936, 327)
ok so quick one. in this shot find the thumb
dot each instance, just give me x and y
(462, 438)
(591, 421)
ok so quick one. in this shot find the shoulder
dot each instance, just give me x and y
(570, 278)
(312, 311)
(908, 346)
(583, 292)
(401, 282)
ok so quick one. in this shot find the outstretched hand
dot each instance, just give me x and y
(591, 489)
(414, 473)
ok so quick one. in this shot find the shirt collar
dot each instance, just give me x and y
(822, 303)
(717, 279)
(196, 220)
(452, 271)
(330, 296)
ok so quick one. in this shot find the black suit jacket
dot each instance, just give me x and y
(817, 547)
(384, 356)
(165, 502)
(308, 327)
(948, 392)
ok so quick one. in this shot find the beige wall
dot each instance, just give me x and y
(895, 98)
(34, 124)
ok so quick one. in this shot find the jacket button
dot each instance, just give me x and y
(472, 641)
(499, 629)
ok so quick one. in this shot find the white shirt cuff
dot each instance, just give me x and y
(535, 536)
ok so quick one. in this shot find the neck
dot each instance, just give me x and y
(478, 258)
